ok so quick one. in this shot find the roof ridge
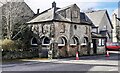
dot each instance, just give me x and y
(96, 11)
(63, 8)
(44, 11)
(94, 15)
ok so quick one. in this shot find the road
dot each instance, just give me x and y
(86, 63)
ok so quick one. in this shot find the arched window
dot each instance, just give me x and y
(74, 41)
(85, 41)
(62, 41)
(45, 40)
(34, 41)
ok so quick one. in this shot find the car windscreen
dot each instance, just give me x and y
(115, 44)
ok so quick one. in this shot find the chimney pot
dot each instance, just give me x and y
(38, 11)
(54, 4)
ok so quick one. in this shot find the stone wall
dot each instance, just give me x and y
(19, 54)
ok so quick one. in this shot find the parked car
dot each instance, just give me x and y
(112, 46)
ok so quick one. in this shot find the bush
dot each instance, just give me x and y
(8, 44)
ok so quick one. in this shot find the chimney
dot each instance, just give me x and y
(54, 4)
(54, 7)
(38, 11)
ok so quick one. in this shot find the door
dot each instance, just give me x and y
(94, 46)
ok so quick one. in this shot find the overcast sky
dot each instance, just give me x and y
(110, 5)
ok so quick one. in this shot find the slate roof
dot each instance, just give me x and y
(44, 16)
(84, 18)
(96, 17)
(52, 14)
(18, 16)
(48, 15)
(65, 7)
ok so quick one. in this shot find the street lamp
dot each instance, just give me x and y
(51, 44)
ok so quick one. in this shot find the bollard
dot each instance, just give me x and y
(77, 57)
(107, 54)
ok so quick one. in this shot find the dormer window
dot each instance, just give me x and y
(82, 16)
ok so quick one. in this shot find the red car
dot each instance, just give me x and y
(112, 46)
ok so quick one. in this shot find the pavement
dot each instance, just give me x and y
(91, 63)
(81, 59)
(106, 61)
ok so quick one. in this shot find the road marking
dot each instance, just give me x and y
(116, 69)
(103, 68)
(114, 51)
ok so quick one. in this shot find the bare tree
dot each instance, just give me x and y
(12, 14)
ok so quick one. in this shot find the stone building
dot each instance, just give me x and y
(101, 29)
(116, 25)
(62, 31)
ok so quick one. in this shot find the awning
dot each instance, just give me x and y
(96, 36)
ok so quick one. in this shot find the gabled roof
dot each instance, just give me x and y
(97, 16)
(64, 8)
(84, 18)
(48, 15)
(52, 14)
(43, 16)
(16, 7)
(15, 3)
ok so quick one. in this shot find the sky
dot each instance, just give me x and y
(109, 5)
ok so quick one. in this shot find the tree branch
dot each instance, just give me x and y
(1, 2)
(118, 19)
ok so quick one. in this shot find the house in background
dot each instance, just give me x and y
(116, 25)
(62, 31)
(114, 22)
(12, 16)
(101, 29)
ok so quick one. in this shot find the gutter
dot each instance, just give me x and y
(81, 23)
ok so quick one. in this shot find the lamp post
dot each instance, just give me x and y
(50, 49)
(51, 45)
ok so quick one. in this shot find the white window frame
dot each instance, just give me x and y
(84, 43)
(43, 42)
(75, 42)
(62, 44)
(32, 43)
